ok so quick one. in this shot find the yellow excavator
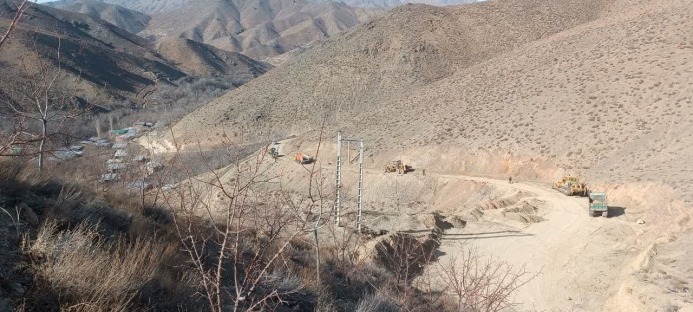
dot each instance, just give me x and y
(571, 185)
(398, 166)
(303, 159)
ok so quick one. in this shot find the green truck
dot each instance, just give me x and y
(598, 204)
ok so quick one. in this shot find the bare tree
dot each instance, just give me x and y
(21, 8)
(39, 109)
(483, 285)
(235, 233)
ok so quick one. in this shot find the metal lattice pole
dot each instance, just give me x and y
(338, 185)
(358, 216)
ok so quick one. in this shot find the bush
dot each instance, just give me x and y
(376, 303)
(91, 273)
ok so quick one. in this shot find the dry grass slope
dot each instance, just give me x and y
(369, 68)
(602, 88)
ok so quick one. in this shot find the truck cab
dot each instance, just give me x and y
(598, 204)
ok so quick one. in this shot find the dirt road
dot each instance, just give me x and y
(579, 258)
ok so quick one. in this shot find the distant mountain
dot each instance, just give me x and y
(394, 3)
(259, 28)
(100, 62)
(130, 20)
(151, 7)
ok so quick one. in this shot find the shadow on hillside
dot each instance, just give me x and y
(615, 211)
(415, 231)
(484, 235)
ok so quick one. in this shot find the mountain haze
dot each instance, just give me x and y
(151, 7)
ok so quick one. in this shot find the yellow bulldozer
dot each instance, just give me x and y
(571, 185)
(398, 166)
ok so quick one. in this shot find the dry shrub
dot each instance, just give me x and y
(376, 303)
(405, 256)
(92, 275)
(474, 283)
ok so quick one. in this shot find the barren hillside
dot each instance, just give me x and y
(609, 96)
(150, 7)
(258, 29)
(106, 65)
(99, 60)
(532, 90)
(127, 19)
(199, 59)
(369, 68)
(394, 3)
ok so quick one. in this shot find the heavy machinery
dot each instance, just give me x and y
(398, 166)
(598, 204)
(274, 152)
(571, 185)
(303, 159)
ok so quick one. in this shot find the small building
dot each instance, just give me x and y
(121, 153)
(114, 167)
(153, 167)
(109, 177)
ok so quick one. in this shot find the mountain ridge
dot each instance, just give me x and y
(130, 20)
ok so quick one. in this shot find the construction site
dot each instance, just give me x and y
(585, 245)
(498, 156)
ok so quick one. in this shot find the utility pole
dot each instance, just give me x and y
(338, 203)
(338, 186)
(360, 196)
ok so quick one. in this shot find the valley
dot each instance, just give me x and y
(470, 115)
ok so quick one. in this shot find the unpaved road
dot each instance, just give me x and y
(580, 261)
(579, 258)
